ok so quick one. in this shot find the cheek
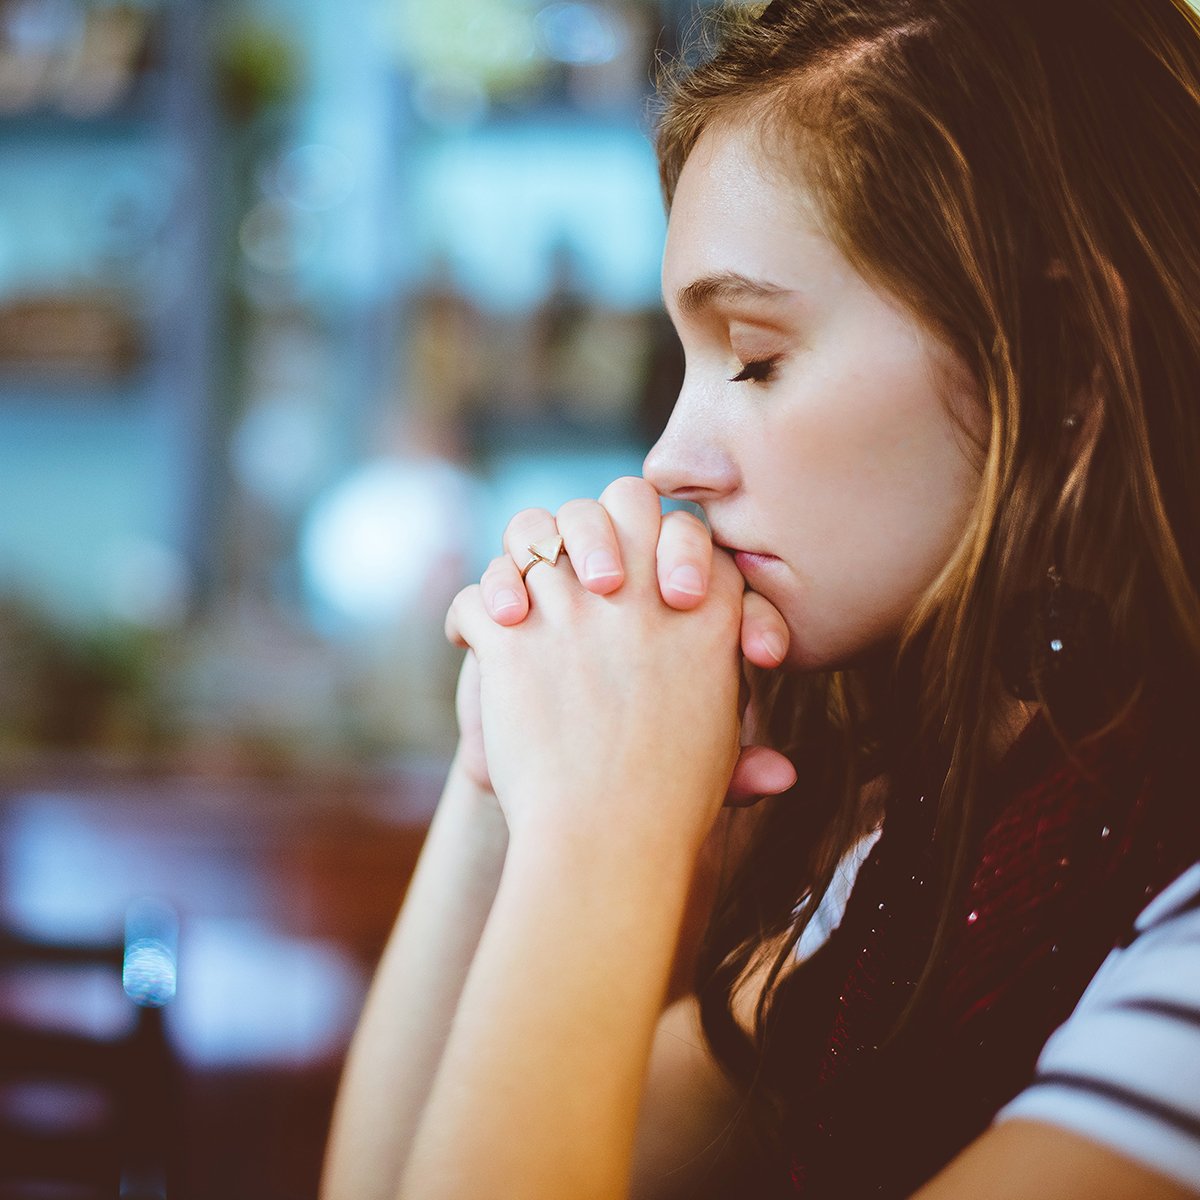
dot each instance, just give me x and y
(876, 496)
(881, 446)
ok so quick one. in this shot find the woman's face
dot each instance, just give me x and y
(814, 425)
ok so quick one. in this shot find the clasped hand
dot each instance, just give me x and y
(608, 685)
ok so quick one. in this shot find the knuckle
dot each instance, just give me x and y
(727, 579)
(632, 488)
(526, 519)
(461, 603)
(452, 626)
(578, 510)
(683, 529)
(682, 519)
(499, 565)
(752, 606)
(763, 613)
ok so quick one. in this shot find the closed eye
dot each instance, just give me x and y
(759, 371)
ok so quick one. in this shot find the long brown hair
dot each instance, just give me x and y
(1025, 177)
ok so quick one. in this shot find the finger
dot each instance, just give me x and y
(765, 636)
(759, 772)
(591, 542)
(529, 527)
(726, 584)
(466, 618)
(684, 559)
(636, 515)
(470, 722)
(504, 594)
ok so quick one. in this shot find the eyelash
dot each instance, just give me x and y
(760, 371)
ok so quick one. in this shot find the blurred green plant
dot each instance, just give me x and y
(258, 67)
(492, 41)
(64, 688)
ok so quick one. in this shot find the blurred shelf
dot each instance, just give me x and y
(50, 126)
(72, 69)
(72, 387)
(72, 339)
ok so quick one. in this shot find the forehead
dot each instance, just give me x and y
(736, 211)
(740, 215)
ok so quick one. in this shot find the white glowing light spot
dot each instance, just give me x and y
(375, 544)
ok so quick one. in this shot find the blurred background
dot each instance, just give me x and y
(299, 301)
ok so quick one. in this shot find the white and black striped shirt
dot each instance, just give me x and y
(1124, 1069)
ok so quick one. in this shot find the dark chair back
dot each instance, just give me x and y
(89, 1084)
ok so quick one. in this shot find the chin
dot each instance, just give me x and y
(809, 655)
(810, 665)
(806, 658)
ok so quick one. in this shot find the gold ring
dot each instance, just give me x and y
(546, 551)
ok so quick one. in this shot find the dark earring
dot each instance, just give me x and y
(1055, 643)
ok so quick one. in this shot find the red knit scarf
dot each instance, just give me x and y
(1071, 857)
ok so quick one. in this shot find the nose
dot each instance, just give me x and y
(691, 461)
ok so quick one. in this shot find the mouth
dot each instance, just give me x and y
(748, 560)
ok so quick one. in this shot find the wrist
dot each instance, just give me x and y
(476, 803)
(662, 822)
(599, 856)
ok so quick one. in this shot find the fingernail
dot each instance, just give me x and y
(687, 580)
(505, 602)
(600, 564)
(772, 643)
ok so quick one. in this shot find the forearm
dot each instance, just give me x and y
(539, 1087)
(407, 1017)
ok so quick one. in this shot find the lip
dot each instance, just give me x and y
(749, 561)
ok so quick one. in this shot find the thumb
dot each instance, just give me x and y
(758, 772)
(764, 632)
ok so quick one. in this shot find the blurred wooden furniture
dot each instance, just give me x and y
(89, 1093)
(285, 889)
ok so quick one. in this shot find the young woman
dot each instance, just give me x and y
(935, 267)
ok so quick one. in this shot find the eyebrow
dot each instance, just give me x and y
(709, 290)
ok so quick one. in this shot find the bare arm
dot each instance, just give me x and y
(685, 1140)
(688, 1144)
(692, 1139)
(539, 1087)
(407, 1017)
(1027, 1160)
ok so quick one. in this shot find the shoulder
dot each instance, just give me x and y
(1124, 1069)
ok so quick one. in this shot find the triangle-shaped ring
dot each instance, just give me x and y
(546, 551)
